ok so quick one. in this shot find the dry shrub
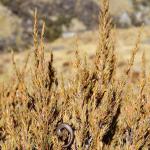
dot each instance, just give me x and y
(104, 110)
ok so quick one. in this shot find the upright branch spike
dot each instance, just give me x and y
(143, 75)
(105, 60)
(25, 65)
(18, 74)
(35, 38)
(134, 52)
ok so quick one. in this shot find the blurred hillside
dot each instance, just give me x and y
(63, 18)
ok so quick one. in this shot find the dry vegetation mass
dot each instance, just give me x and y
(105, 111)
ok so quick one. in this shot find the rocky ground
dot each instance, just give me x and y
(63, 17)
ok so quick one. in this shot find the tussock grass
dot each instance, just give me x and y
(104, 110)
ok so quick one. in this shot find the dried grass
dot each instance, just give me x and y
(104, 110)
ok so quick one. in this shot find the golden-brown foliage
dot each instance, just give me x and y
(104, 110)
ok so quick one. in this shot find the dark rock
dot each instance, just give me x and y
(56, 14)
(124, 20)
(10, 35)
(87, 12)
(141, 14)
